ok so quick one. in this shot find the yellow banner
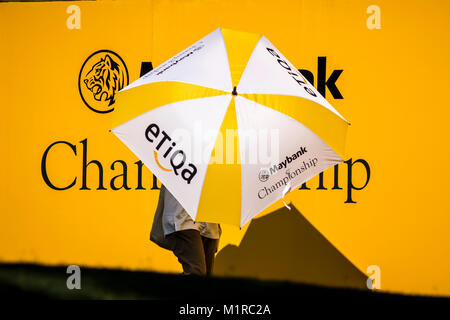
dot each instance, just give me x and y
(72, 193)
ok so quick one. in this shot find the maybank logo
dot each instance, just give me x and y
(289, 175)
(102, 75)
(166, 148)
(283, 164)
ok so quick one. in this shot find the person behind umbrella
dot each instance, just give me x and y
(193, 243)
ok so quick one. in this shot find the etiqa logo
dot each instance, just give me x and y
(166, 147)
(296, 76)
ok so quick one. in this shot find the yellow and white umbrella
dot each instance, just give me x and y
(200, 120)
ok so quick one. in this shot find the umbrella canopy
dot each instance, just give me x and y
(229, 126)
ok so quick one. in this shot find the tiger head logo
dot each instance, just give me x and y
(103, 74)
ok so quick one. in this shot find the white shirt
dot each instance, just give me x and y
(175, 218)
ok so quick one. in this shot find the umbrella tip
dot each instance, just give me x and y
(234, 93)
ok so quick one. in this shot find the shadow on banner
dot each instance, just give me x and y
(283, 245)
